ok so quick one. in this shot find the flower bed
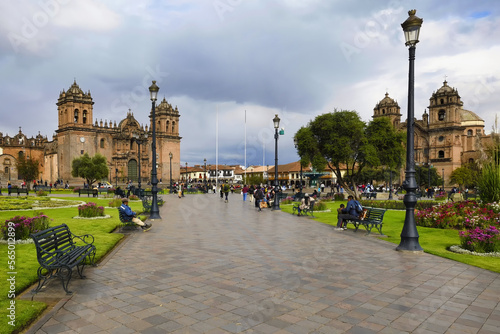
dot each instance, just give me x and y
(23, 226)
(90, 210)
(478, 223)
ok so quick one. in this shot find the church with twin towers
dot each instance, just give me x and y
(78, 133)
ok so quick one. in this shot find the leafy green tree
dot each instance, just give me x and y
(27, 168)
(465, 176)
(343, 143)
(90, 169)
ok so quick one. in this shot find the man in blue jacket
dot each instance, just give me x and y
(349, 212)
(129, 215)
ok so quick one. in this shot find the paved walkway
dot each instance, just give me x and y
(212, 267)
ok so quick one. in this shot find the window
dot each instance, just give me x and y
(442, 101)
(383, 111)
(471, 161)
(469, 133)
(441, 138)
(84, 117)
(6, 169)
(20, 154)
(168, 126)
(102, 143)
(441, 155)
(76, 116)
(173, 126)
(441, 114)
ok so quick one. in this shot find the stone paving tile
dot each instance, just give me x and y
(211, 267)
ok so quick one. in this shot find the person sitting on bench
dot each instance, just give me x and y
(132, 215)
(304, 204)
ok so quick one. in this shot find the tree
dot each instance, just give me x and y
(90, 169)
(27, 168)
(466, 175)
(341, 142)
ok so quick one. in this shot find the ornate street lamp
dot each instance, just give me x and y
(276, 122)
(170, 155)
(442, 170)
(186, 174)
(139, 140)
(155, 212)
(409, 234)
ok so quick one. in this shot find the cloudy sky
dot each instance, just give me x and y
(294, 58)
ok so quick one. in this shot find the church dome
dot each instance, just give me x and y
(445, 88)
(387, 101)
(74, 90)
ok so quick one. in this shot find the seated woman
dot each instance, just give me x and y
(304, 204)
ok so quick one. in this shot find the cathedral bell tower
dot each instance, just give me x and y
(388, 107)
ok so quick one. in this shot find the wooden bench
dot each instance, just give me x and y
(102, 190)
(22, 191)
(58, 253)
(44, 188)
(373, 218)
(89, 192)
(125, 221)
(306, 211)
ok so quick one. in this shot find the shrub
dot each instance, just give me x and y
(90, 210)
(41, 193)
(481, 240)
(441, 196)
(287, 200)
(319, 206)
(24, 226)
(338, 197)
(489, 183)
(133, 197)
(115, 203)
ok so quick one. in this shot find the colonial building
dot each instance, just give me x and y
(446, 137)
(78, 134)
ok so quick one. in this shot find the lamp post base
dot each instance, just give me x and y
(409, 245)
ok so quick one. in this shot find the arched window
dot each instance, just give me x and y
(441, 114)
(84, 117)
(168, 126)
(471, 161)
(173, 126)
(383, 111)
(441, 155)
(442, 101)
(6, 169)
(76, 116)
(469, 133)
(20, 154)
(102, 143)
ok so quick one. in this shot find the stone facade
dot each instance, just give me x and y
(77, 134)
(446, 137)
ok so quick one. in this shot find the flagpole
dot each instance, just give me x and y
(217, 148)
(245, 147)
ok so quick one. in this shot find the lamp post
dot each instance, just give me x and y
(442, 170)
(205, 173)
(155, 212)
(186, 174)
(139, 140)
(276, 122)
(409, 234)
(390, 183)
(170, 155)
(296, 143)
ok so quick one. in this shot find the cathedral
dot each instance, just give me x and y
(447, 136)
(126, 146)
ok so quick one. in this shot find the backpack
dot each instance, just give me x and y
(358, 207)
(259, 194)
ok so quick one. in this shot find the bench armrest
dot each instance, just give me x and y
(84, 238)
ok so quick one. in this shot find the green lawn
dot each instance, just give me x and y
(26, 262)
(433, 241)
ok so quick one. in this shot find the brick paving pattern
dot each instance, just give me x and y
(215, 267)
